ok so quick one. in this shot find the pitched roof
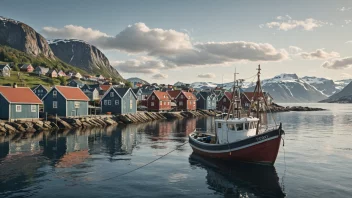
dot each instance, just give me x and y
(174, 94)
(250, 95)
(121, 91)
(205, 94)
(136, 90)
(72, 93)
(228, 95)
(189, 95)
(36, 87)
(77, 81)
(163, 96)
(25, 66)
(105, 87)
(4, 65)
(22, 95)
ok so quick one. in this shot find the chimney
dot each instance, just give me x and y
(14, 85)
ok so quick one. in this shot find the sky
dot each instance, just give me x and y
(202, 40)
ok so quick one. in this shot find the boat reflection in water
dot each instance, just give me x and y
(239, 179)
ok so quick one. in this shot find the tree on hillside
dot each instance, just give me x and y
(128, 84)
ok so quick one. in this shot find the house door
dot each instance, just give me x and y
(73, 113)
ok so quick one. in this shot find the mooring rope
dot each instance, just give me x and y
(128, 172)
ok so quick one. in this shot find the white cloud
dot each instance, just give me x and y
(207, 75)
(74, 32)
(160, 76)
(348, 21)
(343, 9)
(294, 49)
(348, 42)
(171, 48)
(342, 63)
(319, 54)
(286, 23)
(138, 66)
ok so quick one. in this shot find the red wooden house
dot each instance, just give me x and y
(224, 102)
(159, 101)
(27, 68)
(186, 101)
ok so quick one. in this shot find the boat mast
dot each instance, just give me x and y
(256, 96)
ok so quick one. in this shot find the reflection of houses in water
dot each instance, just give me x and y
(120, 141)
(159, 130)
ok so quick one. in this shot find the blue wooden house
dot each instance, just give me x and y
(139, 93)
(5, 70)
(66, 101)
(91, 91)
(18, 103)
(206, 100)
(119, 101)
(40, 91)
(41, 70)
(75, 83)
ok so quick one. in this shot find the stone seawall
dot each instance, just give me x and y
(53, 123)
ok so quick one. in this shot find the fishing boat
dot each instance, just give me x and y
(239, 136)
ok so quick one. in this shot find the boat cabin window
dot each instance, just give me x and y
(239, 127)
(246, 125)
(252, 125)
(219, 125)
(231, 127)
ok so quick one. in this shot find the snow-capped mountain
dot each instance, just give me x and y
(290, 88)
(327, 86)
(344, 96)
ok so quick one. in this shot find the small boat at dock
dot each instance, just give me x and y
(239, 138)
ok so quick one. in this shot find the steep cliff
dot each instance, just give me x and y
(22, 37)
(84, 56)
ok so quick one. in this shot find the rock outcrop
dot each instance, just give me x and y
(22, 37)
(84, 56)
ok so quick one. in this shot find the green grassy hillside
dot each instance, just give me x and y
(8, 54)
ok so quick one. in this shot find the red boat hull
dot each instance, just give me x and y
(264, 153)
(262, 148)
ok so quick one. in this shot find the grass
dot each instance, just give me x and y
(28, 80)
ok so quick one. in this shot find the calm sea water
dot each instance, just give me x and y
(316, 161)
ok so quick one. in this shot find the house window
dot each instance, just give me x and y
(168, 103)
(116, 102)
(152, 104)
(181, 96)
(33, 108)
(54, 104)
(111, 94)
(131, 104)
(109, 102)
(219, 125)
(54, 94)
(224, 99)
(18, 108)
(180, 103)
(105, 102)
(77, 104)
(153, 97)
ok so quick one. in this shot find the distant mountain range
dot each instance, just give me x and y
(344, 96)
(289, 87)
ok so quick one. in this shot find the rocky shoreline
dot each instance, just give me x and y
(54, 124)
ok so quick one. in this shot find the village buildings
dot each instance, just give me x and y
(119, 101)
(206, 100)
(5, 70)
(66, 101)
(40, 91)
(27, 68)
(159, 101)
(18, 103)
